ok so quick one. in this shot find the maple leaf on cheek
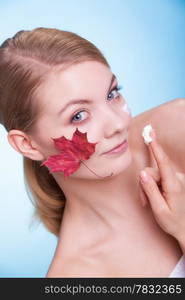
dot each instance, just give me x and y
(72, 153)
(79, 145)
(62, 163)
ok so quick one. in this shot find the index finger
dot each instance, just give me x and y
(153, 161)
(163, 162)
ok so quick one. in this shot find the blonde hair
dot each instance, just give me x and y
(24, 61)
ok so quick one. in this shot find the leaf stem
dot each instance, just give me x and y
(94, 172)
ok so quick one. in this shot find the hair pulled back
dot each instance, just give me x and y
(24, 61)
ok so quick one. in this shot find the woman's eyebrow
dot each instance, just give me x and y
(83, 101)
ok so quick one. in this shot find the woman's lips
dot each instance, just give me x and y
(118, 149)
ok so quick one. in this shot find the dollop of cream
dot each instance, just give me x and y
(146, 133)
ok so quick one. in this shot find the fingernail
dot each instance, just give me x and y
(144, 176)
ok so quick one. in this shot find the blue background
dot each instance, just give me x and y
(144, 42)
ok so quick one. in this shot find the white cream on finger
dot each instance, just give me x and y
(146, 133)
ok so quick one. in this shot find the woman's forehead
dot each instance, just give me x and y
(82, 70)
(62, 87)
(76, 78)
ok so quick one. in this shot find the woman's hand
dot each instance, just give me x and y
(165, 191)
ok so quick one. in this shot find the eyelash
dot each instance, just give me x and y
(117, 88)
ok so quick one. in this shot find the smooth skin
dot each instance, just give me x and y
(105, 230)
(152, 245)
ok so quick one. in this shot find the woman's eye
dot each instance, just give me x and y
(117, 88)
(77, 117)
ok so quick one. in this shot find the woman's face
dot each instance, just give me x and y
(101, 113)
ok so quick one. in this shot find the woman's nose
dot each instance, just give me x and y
(114, 122)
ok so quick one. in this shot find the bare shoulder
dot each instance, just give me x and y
(75, 268)
(173, 108)
(168, 120)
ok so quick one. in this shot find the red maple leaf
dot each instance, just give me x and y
(72, 153)
(78, 146)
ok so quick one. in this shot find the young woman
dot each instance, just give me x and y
(61, 106)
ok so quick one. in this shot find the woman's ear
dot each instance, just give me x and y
(23, 144)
